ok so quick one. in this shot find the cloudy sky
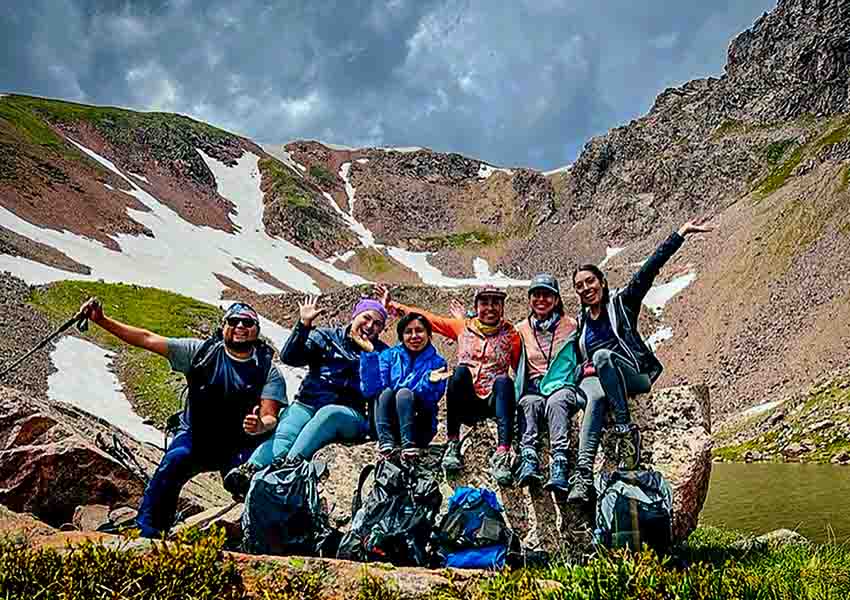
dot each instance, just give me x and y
(514, 82)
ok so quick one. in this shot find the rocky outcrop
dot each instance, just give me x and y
(50, 464)
(676, 430)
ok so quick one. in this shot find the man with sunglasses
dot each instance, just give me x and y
(234, 395)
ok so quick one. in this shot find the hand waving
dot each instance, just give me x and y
(457, 309)
(695, 226)
(308, 310)
(439, 375)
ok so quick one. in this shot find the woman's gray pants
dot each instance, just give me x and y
(557, 410)
(616, 379)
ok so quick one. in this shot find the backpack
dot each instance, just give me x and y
(397, 518)
(634, 508)
(283, 512)
(473, 533)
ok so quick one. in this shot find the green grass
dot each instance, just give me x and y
(31, 127)
(845, 179)
(322, 175)
(714, 563)
(375, 263)
(153, 389)
(463, 239)
(61, 111)
(774, 152)
(284, 184)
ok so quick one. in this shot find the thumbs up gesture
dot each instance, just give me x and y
(252, 423)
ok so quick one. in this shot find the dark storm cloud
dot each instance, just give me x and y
(514, 83)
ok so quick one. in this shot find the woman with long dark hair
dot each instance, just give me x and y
(617, 363)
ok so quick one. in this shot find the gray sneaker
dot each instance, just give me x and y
(452, 461)
(628, 446)
(500, 468)
(581, 488)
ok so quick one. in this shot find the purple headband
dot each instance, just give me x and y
(369, 304)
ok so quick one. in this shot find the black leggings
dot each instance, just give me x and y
(464, 406)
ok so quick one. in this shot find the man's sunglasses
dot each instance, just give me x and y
(247, 322)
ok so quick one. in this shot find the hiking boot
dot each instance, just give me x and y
(529, 468)
(558, 469)
(452, 461)
(238, 480)
(500, 468)
(628, 446)
(581, 488)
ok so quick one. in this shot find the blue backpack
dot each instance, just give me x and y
(473, 533)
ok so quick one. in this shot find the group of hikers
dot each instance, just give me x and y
(542, 371)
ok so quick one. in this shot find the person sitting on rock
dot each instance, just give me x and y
(234, 395)
(488, 346)
(546, 382)
(408, 381)
(617, 363)
(329, 406)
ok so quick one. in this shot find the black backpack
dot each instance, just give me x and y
(283, 512)
(634, 508)
(396, 521)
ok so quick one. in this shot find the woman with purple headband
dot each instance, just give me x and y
(329, 406)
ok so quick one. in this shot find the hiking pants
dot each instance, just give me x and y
(181, 462)
(400, 417)
(302, 430)
(616, 379)
(556, 411)
(464, 406)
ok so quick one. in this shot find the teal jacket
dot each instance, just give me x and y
(563, 368)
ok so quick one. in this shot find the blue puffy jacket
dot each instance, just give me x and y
(394, 369)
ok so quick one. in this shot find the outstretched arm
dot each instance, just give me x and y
(642, 281)
(450, 328)
(135, 336)
(297, 350)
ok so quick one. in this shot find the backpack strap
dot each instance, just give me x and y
(357, 500)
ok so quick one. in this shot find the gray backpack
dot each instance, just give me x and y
(634, 508)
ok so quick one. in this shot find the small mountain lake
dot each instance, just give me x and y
(761, 497)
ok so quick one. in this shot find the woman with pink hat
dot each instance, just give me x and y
(329, 405)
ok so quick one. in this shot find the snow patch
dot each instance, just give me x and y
(563, 169)
(660, 295)
(83, 379)
(142, 177)
(362, 161)
(344, 257)
(280, 153)
(181, 257)
(760, 409)
(485, 171)
(430, 275)
(402, 149)
(662, 335)
(367, 238)
(609, 254)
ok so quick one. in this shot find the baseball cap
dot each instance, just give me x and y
(546, 282)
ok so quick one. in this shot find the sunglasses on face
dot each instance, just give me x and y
(246, 322)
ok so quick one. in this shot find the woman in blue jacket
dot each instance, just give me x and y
(409, 381)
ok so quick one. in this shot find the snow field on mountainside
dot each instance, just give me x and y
(183, 257)
(83, 378)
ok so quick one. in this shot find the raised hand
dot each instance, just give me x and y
(456, 309)
(364, 343)
(308, 310)
(92, 310)
(252, 423)
(695, 226)
(439, 374)
(383, 294)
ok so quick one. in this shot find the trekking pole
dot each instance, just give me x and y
(82, 325)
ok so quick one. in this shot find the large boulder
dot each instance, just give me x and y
(50, 462)
(675, 425)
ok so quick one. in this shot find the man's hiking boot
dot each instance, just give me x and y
(529, 468)
(238, 480)
(581, 488)
(628, 446)
(452, 461)
(500, 468)
(558, 469)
